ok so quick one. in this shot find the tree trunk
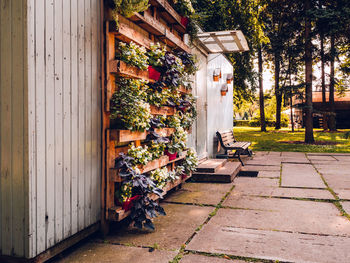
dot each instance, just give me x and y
(323, 83)
(332, 121)
(261, 92)
(309, 135)
(278, 92)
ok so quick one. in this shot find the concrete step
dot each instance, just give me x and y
(224, 174)
(211, 165)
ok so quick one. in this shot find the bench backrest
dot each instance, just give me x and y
(226, 137)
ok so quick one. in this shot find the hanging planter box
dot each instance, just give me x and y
(165, 132)
(216, 74)
(121, 68)
(162, 161)
(153, 74)
(184, 21)
(165, 110)
(127, 135)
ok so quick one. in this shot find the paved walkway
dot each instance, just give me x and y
(296, 210)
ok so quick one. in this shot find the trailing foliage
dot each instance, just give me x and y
(190, 163)
(144, 208)
(133, 54)
(178, 141)
(128, 106)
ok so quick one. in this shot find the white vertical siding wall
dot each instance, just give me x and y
(220, 108)
(50, 122)
(64, 119)
(13, 129)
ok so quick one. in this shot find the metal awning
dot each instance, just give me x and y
(224, 41)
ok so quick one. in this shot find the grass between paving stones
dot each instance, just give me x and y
(336, 202)
(272, 140)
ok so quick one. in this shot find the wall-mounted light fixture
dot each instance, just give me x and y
(224, 89)
(229, 78)
(217, 74)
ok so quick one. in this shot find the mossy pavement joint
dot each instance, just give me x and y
(336, 202)
(183, 250)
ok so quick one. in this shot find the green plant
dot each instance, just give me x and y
(184, 7)
(156, 149)
(127, 8)
(189, 61)
(133, 54)
(141, 155)
(156, 52)
(190, 163)
(178, 141)
(160, 177)
(124, 192)
(128, 106)
(173, 121)
(157, 94)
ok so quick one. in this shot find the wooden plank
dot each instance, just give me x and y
(58, 131)
(127, 135)
(19, 130)
(81, 114)
(158, 163)
(182, 89)
(165, 132)
(67, 118)
(31, 227)
(127, 34)
(95, 111)
(164, 110)
(88, 114)
(75, 114)
(40, 173)
(6, 129)
(109, 185)
(123, 69)
(50, 124)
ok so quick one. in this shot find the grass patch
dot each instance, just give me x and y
(280, 141)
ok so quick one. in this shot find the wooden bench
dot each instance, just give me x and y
(229, 144)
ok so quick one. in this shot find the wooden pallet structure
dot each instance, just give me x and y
(160, 23)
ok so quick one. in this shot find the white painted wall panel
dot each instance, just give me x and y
(220, 108)
(65, 85)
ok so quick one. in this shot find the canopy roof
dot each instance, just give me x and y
(224, 41)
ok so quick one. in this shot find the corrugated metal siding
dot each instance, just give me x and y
(13, 129)
(64, 119)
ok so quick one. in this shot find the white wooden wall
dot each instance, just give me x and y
(50, 122)
(13, 129)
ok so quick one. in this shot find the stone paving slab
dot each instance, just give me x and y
(332, 169)
(255, 181)
(274, 154)
(282, 192)
(343, 158)
(193, 258)
(303, 160)
(264, 161)
(200, 193)
(269, 174)
(293, 154)
(95, 252)
(171, 231)
(249, 167)
(343, 194)
(271, 245)
(346, 206)
(337, 181)
(321, 158)
(301, 175)
(283, 214)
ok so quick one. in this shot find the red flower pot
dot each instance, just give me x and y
(184, 21)
(184, 176)
(172, 156)
(128, 204)
(153, 74)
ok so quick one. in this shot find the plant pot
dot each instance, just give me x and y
(184, 21)
(184, 176)
(153, 74)
(216, 78)
(172, 156)
(128, 204)
(223, 93)
(229, 81)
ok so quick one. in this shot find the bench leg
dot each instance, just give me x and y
(239, 158)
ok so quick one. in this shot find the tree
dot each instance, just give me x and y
(309, 135)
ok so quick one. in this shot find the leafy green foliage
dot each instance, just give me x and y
(128, 106)
(190, 163)
(178, 141)
(133, 54)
